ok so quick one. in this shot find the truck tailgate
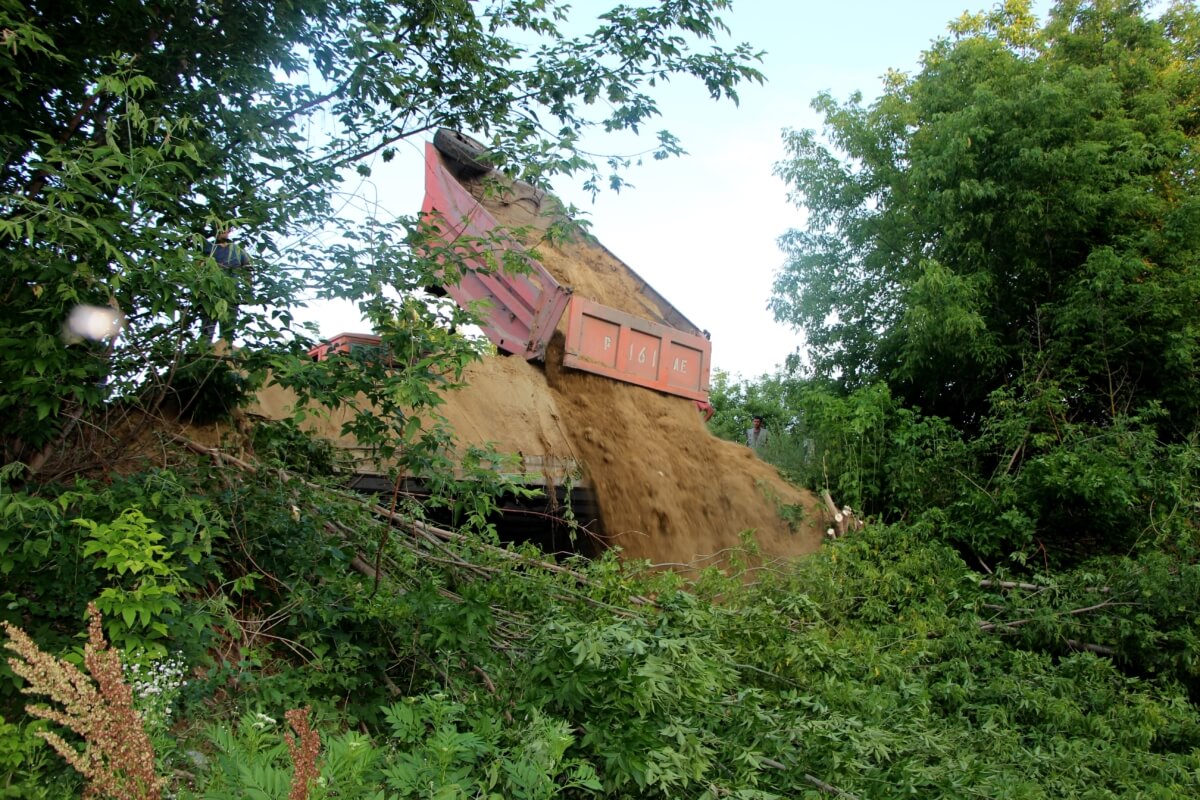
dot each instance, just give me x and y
(609, 342)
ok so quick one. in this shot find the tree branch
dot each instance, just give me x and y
(422, 529)
(988, 583)
(1016, 623)
(828, 788)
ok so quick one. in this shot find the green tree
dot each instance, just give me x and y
(129, 131)
(1025, 205)
(1007, 241)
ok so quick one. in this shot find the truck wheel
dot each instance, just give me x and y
(463, 150)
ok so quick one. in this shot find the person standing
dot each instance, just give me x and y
(756, 434)
(232, 259)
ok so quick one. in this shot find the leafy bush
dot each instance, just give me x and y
(62, 547)
(883, 666)
(282, 443)
(28, 770)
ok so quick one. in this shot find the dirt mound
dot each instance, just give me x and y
(505, 402)
(667, 489)
(123, 439)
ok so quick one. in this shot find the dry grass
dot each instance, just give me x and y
(304, 748)
(117, 760)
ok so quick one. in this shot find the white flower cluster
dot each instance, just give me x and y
(156, 686)
(261, 721)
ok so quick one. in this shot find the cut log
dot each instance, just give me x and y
(842, 519)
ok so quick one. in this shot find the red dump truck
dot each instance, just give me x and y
(524, 309)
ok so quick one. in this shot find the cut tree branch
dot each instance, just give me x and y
(428, 532)
(828, 788)
(843, 518)
(1016, 623)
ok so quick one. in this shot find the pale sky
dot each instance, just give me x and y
(703, 228)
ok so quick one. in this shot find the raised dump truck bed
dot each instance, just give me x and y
(524, 309)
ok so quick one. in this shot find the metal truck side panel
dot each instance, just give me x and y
(522, 310)
(345, 343)
(617, 345)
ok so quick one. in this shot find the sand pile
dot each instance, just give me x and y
(573, 257)
(505, 402)
(668, 491)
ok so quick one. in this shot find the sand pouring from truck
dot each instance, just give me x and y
(595, 396)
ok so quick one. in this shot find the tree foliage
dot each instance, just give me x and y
(1000, 259)
(1022, 209)
(881, 667)
(130, 132)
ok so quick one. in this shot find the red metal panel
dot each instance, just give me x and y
(618, 345)
(687, 365)
(343, 343)
(523, 309)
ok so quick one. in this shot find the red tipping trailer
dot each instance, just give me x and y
(524, 309)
